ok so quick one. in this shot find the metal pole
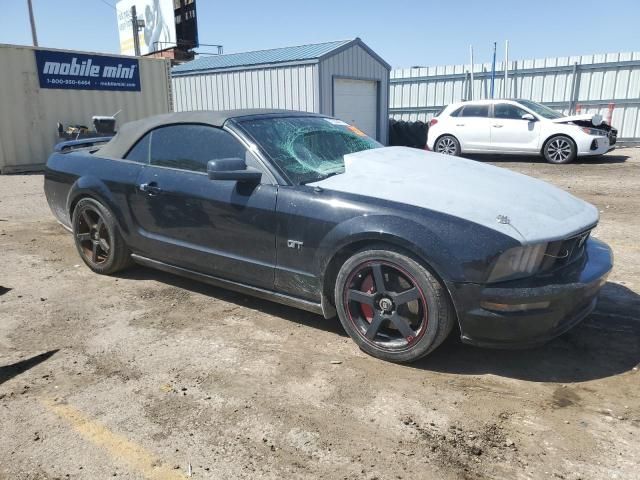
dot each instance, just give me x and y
(471, 72)
(573, 96)
(506, 69)
(134, 26)
(33, 24)
(493, 69)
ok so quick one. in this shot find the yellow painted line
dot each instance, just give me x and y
(121, 448)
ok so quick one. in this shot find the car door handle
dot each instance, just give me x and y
(459, 124)
(150, 188)
(498, 126)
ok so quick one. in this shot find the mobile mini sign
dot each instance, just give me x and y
(79, 71)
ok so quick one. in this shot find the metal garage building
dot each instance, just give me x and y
(345, 79)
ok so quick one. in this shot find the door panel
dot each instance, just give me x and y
(515, 136)
(221, 228)
(472, 128)
(510, 133)
(473, 133)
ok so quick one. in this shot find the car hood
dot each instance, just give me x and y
(594, 118)
(522, 207)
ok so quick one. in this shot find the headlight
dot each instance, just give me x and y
(593, 131)
(518, 262)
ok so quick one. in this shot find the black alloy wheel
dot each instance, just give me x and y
(391, 305)
(385, 305)
(98, 238)
(93, 237)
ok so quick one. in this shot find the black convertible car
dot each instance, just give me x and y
(403, 244)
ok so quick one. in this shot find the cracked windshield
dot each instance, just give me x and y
(308, 149)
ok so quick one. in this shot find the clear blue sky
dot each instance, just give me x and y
(405, 33)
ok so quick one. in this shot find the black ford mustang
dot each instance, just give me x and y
(307, 210)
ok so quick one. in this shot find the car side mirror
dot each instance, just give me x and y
(233, 169)
(528, 117)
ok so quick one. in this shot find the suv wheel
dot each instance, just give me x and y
(447, 145)
(559, 149)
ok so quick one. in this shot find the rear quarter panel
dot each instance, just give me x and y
(71, 176)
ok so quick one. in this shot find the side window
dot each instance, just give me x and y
(475, 111)
(506, 110)
(140, 151)
(455, 113)
(190, 147)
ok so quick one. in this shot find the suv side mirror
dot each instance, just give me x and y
(528, 117)
(232, 169)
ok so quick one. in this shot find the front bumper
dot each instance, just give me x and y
(560, 299)
(594, 145)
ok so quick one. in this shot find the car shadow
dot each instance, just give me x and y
(607, 343)
(9, 371)
(609, 158)
(264, 306)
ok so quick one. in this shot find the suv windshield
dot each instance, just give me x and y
(540, 109)
(307, 149)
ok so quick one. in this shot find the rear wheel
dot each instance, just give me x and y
(447, 145)
(392, 306)
(98, 239)
(559, 149)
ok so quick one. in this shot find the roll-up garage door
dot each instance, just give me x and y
(356, 102)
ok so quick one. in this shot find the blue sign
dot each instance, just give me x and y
(87, 72)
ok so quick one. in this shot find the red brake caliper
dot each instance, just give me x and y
(367, 286)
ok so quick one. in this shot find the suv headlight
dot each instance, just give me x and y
(518, 262)
(593, 131)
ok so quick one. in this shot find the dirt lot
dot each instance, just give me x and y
(147, 375)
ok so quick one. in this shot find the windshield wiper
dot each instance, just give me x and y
(331, 174)
(324, 177)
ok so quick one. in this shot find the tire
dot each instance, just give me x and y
(98, 239)
(402, 320)
(447, 145)
(559, 150)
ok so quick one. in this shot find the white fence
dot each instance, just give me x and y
(608, 84)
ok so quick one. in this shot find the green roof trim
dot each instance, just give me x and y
(301, 53)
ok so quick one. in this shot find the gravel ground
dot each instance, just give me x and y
(147, 375)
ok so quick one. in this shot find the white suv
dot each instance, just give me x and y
(519, 127)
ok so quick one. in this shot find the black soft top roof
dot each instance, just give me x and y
(129, 133)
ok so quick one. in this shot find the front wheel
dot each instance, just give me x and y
(559, 150)
(392, 306)
(447, 145)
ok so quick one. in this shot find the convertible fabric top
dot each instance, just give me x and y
(129, 133)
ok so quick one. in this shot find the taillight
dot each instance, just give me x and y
(433, 122)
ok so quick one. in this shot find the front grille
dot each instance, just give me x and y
(564, 252)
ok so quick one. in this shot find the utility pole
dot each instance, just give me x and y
(506, 69)
(33, 24)
(471, 72)
(493, 70)
(136, 25)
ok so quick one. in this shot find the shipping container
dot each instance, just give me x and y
(345, 79)
(33, 100)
